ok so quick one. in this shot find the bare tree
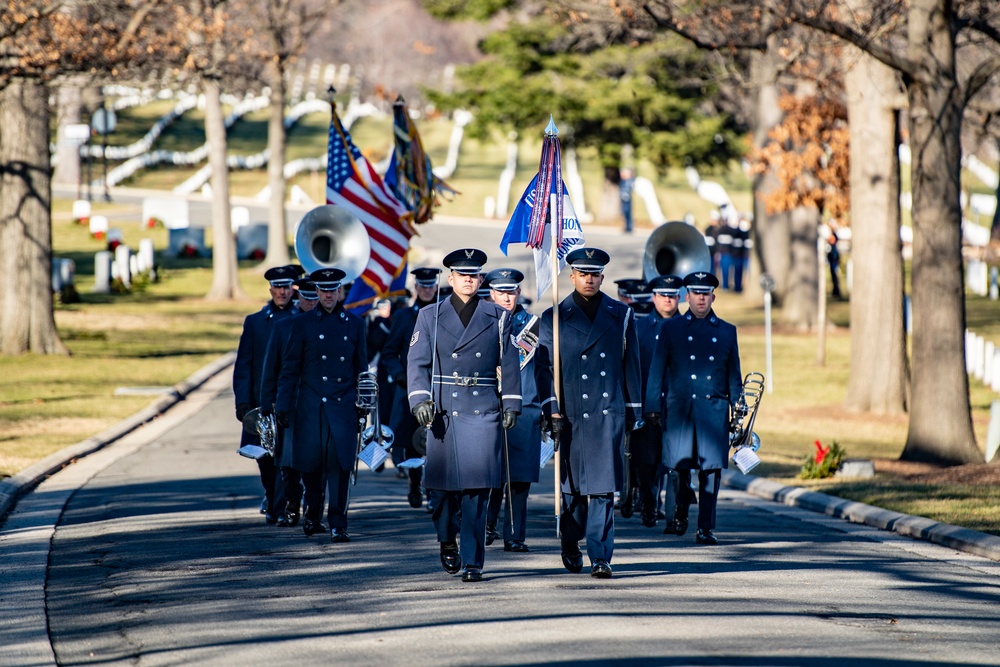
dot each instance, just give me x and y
(288, 27)
(40, 41)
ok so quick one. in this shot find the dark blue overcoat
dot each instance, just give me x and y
(524, 441)
(601, 388)
(317, 387)
(647, 442)
(693, 380)
(249, 366)
(464, 442)
(269, 384)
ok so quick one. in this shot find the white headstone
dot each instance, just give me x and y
(989, 352)
(98, 225)
(206, 191)
(489, 207)
(81, 209)
(116, 234)
(239, 217)
(102, 272)
(166, 209)
(123, 265)
(995, 385)
(147, 255)
(977, 370)
(970, 352)
(133, 265)
(993, 432)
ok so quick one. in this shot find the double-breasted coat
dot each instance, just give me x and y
(524, 441)
(601, 386)
(464, 443)
(317, 387)
(248, 369)
(269, 384)
(647, 442)
(694, 380)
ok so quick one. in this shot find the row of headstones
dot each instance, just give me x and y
(982, 360)
(121, 263)
(982, 279)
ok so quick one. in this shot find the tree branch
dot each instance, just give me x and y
(860, 40)
(981, 76)
(983, 28)
(671, 24)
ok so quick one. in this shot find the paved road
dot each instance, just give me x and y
(160, 557)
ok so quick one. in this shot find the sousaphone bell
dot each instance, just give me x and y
(331, 236)
(675, 248)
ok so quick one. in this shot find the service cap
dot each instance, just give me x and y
(588, 260)
(466, 261)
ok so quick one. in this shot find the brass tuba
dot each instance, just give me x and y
(675, 248)
(266, 428)
(331, 236)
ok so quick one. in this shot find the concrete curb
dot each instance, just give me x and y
(955, 537)
(12, 488)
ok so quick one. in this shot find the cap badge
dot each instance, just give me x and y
(468, 254)
(700, 276)
(505, 274)
(589, 253)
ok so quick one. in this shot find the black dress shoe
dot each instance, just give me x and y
(705, 537)
(472, 574)
(491, 535)
(289, 520)
(572, 558)
(339, 535)
(514, 545)
(600, 570)
(680, 525)
(310, 527)
(626, 508)
(450, 558)
(649, 520)
(415, 498)
(660, 514)
(270, 519)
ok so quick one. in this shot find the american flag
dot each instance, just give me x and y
(353, 184)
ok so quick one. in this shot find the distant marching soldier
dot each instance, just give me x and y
(695, 381)
(288, 486)
(394, 356)
(647, 442)
(317, 392)
(601, 383)
(249, 366)
(524, 441)
(454, 389)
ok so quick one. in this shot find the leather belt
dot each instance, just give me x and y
(466, 381)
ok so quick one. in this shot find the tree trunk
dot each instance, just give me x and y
(940, 416)
(879, 373)
(27, 323)
(225, 280)
(277, 238)
(800, 303)
(67, 169)
(770, 231)
(995, 224)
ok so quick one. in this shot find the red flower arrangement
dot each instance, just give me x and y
(821, 452)
(824, 462)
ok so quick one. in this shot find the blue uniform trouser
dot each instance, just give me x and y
(726, 268)
(678, 495)
(519, 498)
(708, 497)
(593, 518)
(462, 514)
(288, 491)
(739, 270)
(268, 476)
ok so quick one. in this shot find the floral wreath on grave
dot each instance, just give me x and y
(825, 462)
(153, 222)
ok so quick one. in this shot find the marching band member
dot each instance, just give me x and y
(647, 442)
(524, 441)
(600, 380)
(394, 357)
(317, 392)
(288, 486)
(455, 390)
(248, 368)
(695, 381)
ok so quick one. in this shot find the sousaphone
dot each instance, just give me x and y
(331, 236)
(675, 248)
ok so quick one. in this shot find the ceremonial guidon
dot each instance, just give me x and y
(647, 442)
(524, 441)
(394, 357)
(454, 388)
(317, 392)
(600, 381)
(694, 380)
(249, 365)
(288, 485)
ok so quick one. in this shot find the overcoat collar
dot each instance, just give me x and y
(711, 318)
(482, 319)
(574, 317)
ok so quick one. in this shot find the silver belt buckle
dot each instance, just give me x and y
(465, 381)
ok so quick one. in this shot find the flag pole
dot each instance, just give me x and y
(551, 132)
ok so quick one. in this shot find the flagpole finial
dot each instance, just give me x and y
(551, 130)
(330, 94)
(399, 101)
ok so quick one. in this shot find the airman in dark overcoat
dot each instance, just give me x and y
(249, 365)
(317, 393)
(694, 381)
(600, 399)
(454, 387)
